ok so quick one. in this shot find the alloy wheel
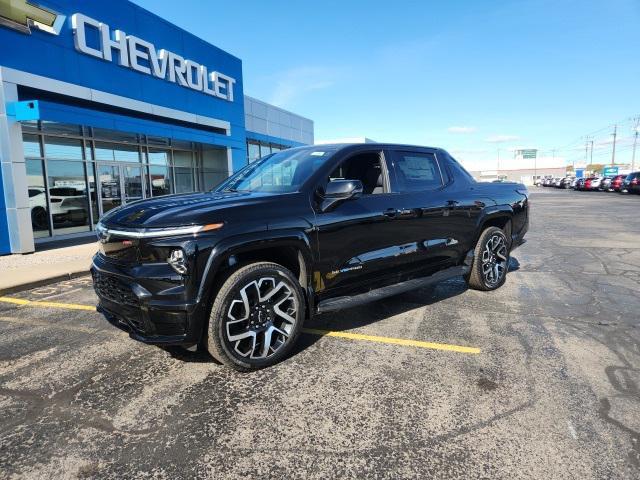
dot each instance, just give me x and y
(494, 259)
(261, 319)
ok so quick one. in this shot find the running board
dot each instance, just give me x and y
(348, 301)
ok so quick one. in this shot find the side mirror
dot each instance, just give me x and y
(343, 189)
(340, 190)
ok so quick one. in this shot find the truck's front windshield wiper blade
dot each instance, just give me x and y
(234, 190)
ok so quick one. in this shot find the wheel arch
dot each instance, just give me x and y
(501, 217)
(291, 249)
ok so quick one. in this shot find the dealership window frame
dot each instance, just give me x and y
(88, 138)
(273, 148)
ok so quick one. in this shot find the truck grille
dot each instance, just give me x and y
(113, 289)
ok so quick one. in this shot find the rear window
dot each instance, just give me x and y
(416, 172)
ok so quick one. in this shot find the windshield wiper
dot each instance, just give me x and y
(234, 190)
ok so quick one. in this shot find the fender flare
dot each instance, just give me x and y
(491, 213)
(227, 247)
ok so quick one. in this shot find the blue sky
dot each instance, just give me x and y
(470, 76)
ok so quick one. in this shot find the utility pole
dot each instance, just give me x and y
(613, 154)
(586, 153)
(591, 160)
(635, 142)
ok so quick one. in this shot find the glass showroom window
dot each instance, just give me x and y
(265, 149)
(214, 167)
(68, 196)
(253, 151)
(93, 191)
(77, 173)
(183, 169)
(116, 152)
(36, 185)
(159, 172)
(63, 148)
(38, 198)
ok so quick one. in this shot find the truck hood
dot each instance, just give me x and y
(181, 209)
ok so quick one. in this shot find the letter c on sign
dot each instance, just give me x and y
(79, 23)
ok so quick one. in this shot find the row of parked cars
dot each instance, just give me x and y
(618, 183)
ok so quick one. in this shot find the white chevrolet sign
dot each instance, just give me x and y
(143, 57)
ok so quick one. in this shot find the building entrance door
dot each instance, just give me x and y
(119, 184)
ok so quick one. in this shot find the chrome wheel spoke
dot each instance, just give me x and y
(266, 342)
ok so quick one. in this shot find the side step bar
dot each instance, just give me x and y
(339, 303)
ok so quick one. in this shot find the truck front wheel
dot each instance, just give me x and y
(490, 260)
(256, 317)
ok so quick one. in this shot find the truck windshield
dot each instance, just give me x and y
(282, 172)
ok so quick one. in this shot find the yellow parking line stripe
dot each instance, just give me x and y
(393, 341)
(325, 333)
(68, 306)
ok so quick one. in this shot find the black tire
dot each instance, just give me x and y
(477, 278)
(264, 311)
(39, 218)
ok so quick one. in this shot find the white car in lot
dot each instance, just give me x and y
(68, 205)
(595, 183)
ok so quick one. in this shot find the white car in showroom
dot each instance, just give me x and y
(68, 205)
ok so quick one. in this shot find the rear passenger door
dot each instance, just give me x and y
(430, 213)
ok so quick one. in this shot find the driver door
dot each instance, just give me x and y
(360, 245)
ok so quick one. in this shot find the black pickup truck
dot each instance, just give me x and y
(237, 270)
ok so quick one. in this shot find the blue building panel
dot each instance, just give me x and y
(55, 56)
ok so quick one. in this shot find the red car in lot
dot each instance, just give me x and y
(587, 183)
(616, 183)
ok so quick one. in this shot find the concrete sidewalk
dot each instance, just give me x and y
(18, 272)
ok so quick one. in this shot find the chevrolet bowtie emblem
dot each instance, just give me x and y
(22, 16)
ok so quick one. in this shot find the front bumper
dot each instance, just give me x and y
(150, 302)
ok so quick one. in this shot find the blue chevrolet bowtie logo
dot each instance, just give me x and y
(22, 16)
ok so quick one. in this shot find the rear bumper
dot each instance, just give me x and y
(143, 306)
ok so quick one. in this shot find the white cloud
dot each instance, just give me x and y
(501, 138)
(295, 82)
(457, 129)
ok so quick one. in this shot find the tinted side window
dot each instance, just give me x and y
(416, 172)
(365, 167)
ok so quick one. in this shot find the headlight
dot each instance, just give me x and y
(178, 261)
(158, 232)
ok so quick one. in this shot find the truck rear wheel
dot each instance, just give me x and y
(490, 260)
(256, 317)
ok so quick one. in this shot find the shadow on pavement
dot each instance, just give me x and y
(359, 316)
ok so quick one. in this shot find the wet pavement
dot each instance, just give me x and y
(553, 393)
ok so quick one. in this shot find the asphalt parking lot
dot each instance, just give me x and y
(548, 388)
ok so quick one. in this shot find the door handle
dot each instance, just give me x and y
(390, 212)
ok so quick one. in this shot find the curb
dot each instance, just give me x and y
(42, 282)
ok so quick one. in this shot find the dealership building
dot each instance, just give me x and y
(105, 103)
